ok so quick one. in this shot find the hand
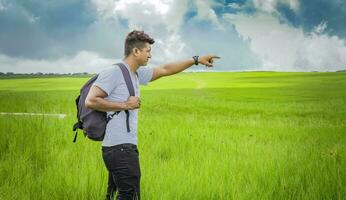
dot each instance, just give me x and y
(207, 60)
(133, 102)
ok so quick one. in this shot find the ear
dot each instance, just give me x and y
(135, 51)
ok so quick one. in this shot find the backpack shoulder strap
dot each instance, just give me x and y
(129, 85)
(127, 78)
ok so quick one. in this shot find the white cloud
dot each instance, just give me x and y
(104, 7)
(321, 53)
(320, 27)
(265, 5)
(3, 5)
(84, 61)
(170, 47)
(144, 14)
(294, 4)
(269, 6)
(279, 46)
(285, 48)
(234, 5)
(206, 13)
(33, 19)
(163, 20)
(159, 18)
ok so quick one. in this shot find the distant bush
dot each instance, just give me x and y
(9, 75)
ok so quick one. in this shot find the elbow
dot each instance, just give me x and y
(166, 71)
(88, 103)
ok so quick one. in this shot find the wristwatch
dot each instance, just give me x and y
(195, 58)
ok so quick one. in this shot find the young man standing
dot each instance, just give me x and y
(109, 93)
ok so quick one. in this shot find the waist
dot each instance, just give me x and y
(121, 146)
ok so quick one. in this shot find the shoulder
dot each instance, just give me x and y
(108, 79)
(112, 70)
(111, 75)
(144, 71)
(144, 74)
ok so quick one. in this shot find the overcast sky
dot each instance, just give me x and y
(88, 35)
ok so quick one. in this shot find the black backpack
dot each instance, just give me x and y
(93, 122)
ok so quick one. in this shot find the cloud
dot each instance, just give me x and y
(54, 34)
(179, 35)
(162, 19)
(270, 6)
(309, 14)
(206, 13)
(285, 48)
(83, 61)
(227, 43)
(169, 48)
(3, 5)
(321, 52)
(144, 14)
(43, 29)
(321, 27)
(280, 34)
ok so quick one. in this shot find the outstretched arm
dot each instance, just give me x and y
(176, 67)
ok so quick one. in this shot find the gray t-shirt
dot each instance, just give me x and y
(113, 83)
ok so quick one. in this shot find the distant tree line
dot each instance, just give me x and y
(44, 74)
(40, 74)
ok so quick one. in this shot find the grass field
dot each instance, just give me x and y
(244, 135)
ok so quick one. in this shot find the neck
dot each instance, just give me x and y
(132, 64)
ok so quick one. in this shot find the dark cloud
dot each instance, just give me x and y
(312, 13)
(226, 43)
(309, 14)
(233, 6)
(43, 29)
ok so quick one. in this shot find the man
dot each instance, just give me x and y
(109, 93)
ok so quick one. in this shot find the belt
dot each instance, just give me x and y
(121, 146)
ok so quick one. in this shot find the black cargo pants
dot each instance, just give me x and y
(122, 162)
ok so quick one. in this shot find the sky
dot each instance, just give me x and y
(69, 36)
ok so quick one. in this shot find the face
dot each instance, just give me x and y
(143, 55)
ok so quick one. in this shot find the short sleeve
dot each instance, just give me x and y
(145, 74)
(108, 80)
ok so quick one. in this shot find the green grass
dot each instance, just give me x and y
(246, 135)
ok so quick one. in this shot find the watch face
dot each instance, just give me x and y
(195, 58)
